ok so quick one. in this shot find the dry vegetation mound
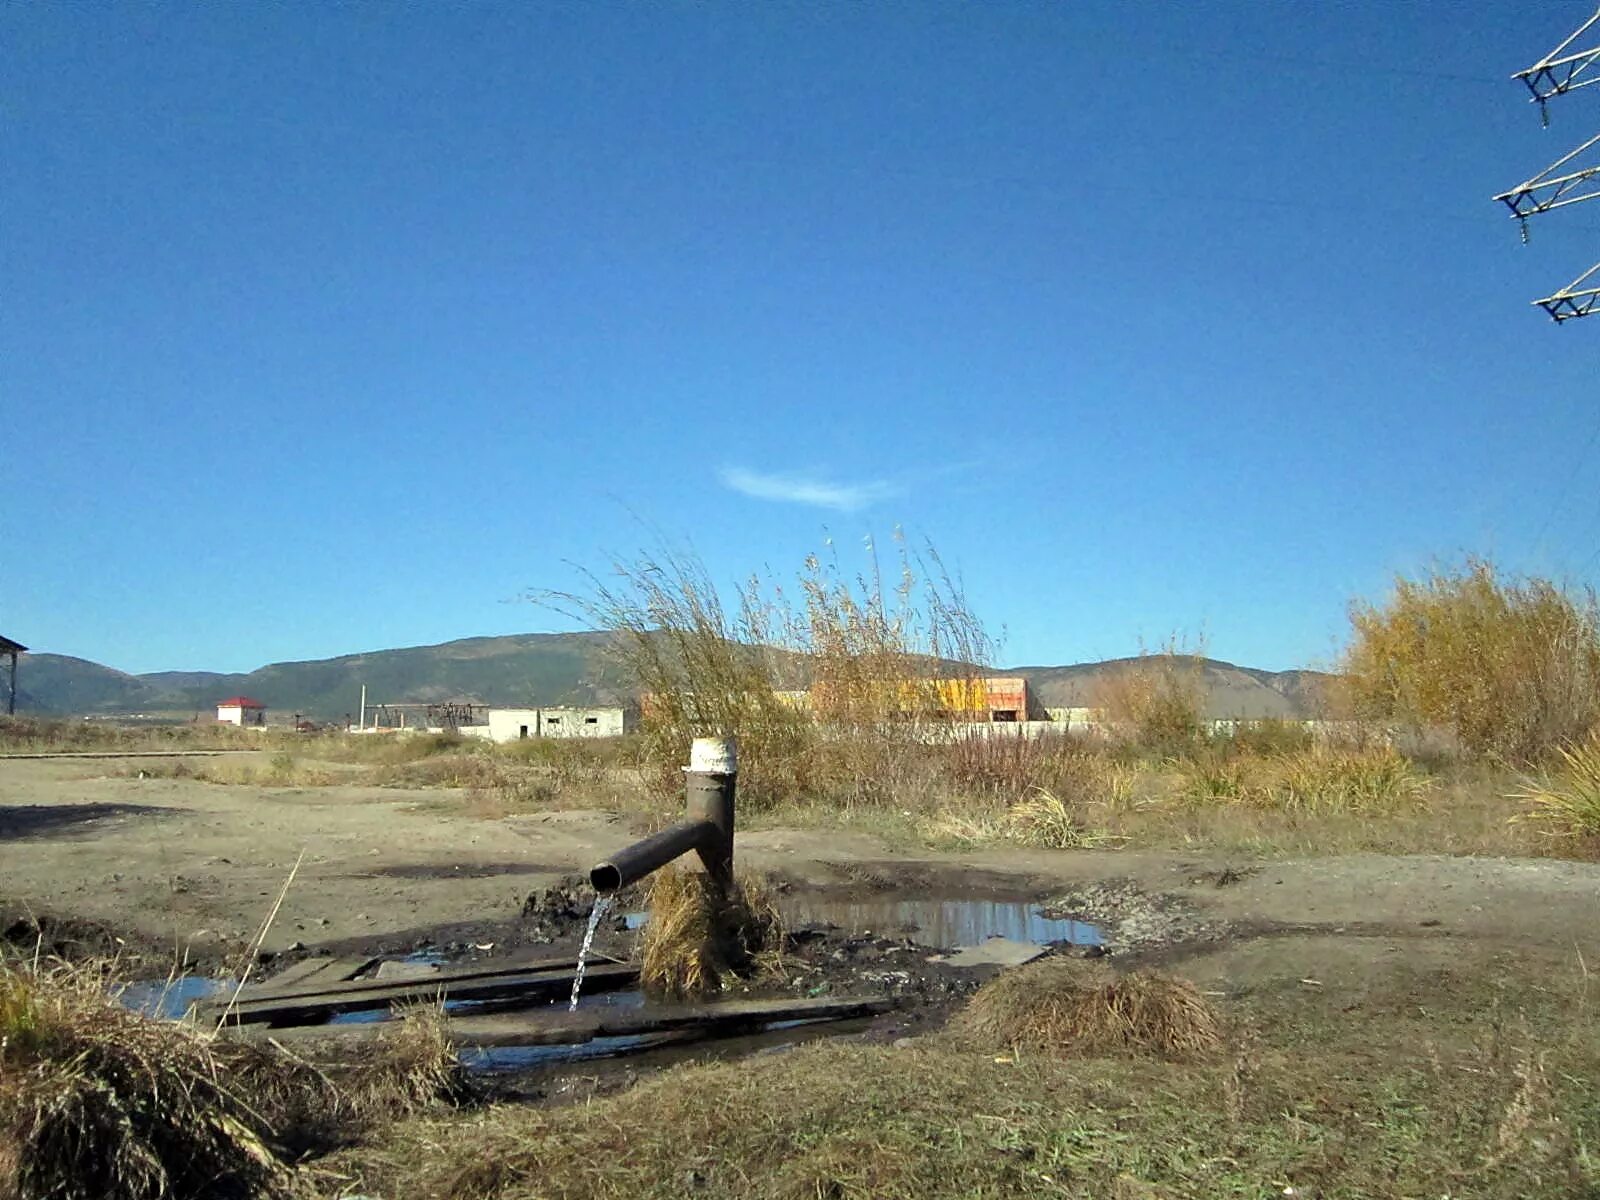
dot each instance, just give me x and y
(1073, 1005)
(101, 1103)
(698, 936)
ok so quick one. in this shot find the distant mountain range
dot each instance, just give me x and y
(522, 669)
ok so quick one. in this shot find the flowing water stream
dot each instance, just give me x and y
(601, 903)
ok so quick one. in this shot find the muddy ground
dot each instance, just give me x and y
(170, 868)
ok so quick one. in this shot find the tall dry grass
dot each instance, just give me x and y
(1566, 799)
(880, 661)
(1156, 702)
(1510, 667)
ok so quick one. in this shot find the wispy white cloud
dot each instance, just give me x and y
(801, 489)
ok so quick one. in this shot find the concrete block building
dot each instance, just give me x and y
(242, 711)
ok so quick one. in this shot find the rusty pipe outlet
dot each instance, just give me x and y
(638, 860)
(709, 783)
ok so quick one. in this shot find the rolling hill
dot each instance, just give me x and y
(534, 668)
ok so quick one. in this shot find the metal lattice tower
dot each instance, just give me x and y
(1571, 179)
(1556, 73)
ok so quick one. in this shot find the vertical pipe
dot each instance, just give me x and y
(11, 696)
(710, 781)
(363, 708)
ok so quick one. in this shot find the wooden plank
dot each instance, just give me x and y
(562, 1028)
(323, 969)
(290, 975)
(335, 971)
(484, 970)
(533, 986)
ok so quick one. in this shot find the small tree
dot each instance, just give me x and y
(1510, 667)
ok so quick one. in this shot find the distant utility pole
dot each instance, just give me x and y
(1572, 178)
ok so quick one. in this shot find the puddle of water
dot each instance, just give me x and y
(169, 999)
(506, 1060)
(940, 924)
(467, 1008)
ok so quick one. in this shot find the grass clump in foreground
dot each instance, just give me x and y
(699, 937)
(1076, 1006)
(100, 1103)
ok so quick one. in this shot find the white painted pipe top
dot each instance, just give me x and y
(714, 756)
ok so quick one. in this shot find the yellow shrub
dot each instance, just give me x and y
(1511, 668)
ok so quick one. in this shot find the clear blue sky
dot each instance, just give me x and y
(338, 327)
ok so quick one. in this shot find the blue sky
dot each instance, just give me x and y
(338, 327)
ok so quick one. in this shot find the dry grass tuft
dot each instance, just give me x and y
(1066, 1005)
(1569, 799)
(697, 937)
(100, 1102)
(1045, 819)
(1326, 779)
(412, 1067)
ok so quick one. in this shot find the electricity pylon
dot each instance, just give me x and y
(1556, 74)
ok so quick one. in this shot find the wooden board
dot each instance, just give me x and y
(309, 974)
(299, 1007)
(487, 969)
(560, 1028)
(332, 974)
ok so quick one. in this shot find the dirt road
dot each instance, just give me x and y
(199, 865)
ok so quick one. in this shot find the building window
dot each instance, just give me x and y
(552, 720)
(591, 720)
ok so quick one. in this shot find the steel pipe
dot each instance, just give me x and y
(638, 860)
(709, 784)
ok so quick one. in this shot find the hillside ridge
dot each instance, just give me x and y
(525, 668)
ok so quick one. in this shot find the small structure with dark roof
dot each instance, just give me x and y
(242, 711)
(11, 649)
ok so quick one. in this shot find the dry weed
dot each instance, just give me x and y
(1045, 819)
(97, 1102)
(1068, 1005)
(1511, 667)
(698, 936)
(1569, 799)
(101, 1103)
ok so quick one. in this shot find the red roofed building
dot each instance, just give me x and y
(241, 710)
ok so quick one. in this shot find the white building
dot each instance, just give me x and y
(241, 711)
(516, 724)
